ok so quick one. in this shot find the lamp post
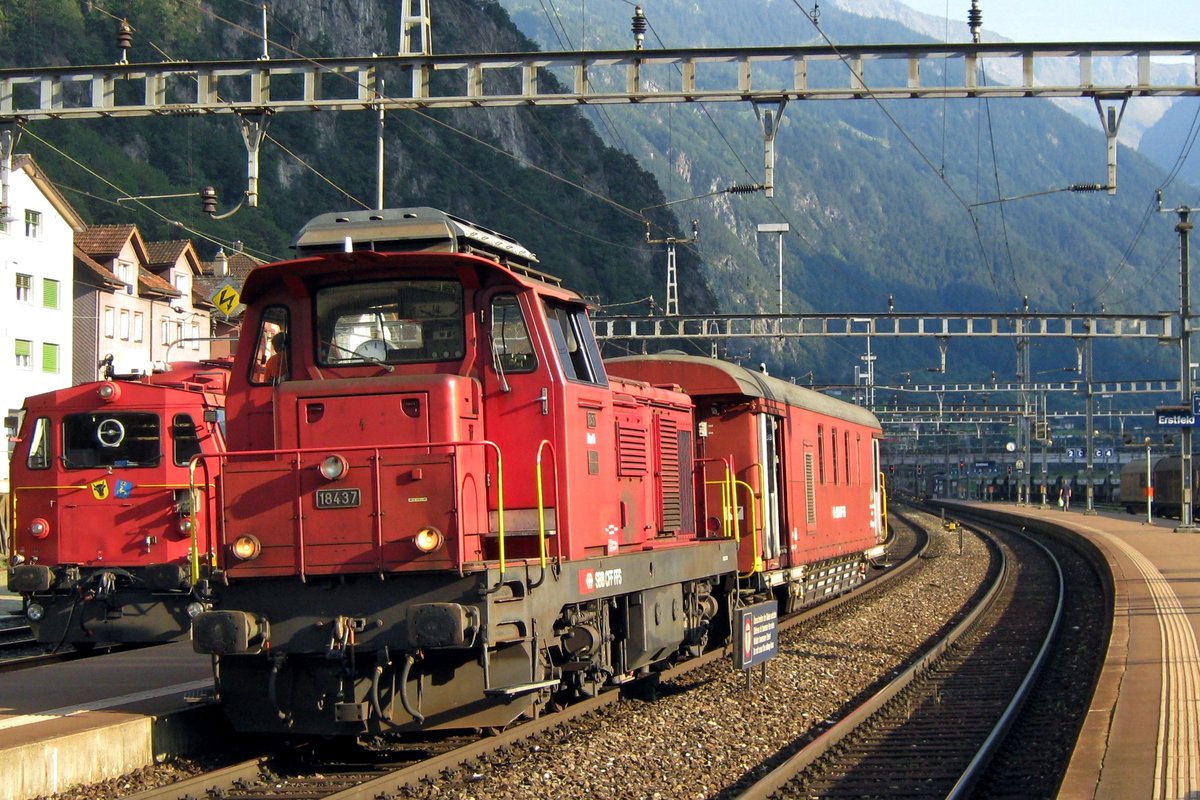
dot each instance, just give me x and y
(780, 228)
(1149, 485)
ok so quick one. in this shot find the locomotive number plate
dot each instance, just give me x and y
(337, 498)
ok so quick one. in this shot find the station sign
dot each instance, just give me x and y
(756, 635)
(1175, 416)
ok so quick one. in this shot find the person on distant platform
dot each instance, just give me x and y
(276, 367)
(1064, 496)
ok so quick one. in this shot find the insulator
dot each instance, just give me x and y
(124, 35)
(638, 27)
(744, 188)
(975, 19)
(208, 200)
(1087, 187)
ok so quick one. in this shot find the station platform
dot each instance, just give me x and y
(1141, 737)
(96, 718)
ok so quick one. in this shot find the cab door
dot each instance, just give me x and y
(518, 409)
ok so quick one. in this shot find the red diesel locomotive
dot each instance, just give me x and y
(445, 509)
(105, 542)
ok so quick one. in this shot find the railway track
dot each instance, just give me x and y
(935, 730)
(384, 772)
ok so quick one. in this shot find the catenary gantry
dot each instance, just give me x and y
(757, 74)
(950, 325)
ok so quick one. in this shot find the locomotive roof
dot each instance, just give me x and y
(701, 376)
(413, 230)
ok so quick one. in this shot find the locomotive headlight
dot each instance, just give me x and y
(246, 547)
(109, 392)
(334, 468)
(185, 525)
(429, 539)
(39, 528)
(35, 612)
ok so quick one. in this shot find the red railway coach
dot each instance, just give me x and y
(803, 468)
(105, 542)
(442, 511)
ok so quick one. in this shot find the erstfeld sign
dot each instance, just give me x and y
(1175, 417)
(757, 637)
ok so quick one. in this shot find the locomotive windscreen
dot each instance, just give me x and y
(121, 439)
(393, 322)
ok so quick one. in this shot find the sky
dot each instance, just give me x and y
(1077, 20)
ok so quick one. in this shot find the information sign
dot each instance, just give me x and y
(756, 638)
(1175, 417)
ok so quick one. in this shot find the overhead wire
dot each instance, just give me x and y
(175, 223)
(911, 142)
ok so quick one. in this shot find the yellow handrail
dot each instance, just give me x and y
(541, 506)
(193, 499)
(758, 563)
(883, 503)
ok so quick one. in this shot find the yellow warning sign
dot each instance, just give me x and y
(100, 489)
(226, 298)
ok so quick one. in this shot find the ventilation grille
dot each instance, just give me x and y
(631, 451)
(669, 474)
(810, 498)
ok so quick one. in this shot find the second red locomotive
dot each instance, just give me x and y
(445, 509)
(105, 536)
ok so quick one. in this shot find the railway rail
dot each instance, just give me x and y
(936, 730)
(391, 769)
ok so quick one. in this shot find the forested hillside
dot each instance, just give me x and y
(893, 198)
(885, 199)
(540, 175)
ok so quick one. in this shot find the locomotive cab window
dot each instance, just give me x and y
(272, 353)
(39, 445)
(391, 322)
(576, 346)
(186, 438)
(122, 439)
(512, 348)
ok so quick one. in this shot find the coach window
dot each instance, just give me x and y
(846, 451)
(833, 450)
(512, 348)
(821, 453)
(39, 445)
(575, 343)
(271, 352)
(186, 439)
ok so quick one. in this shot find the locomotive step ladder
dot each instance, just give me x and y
(509, 629)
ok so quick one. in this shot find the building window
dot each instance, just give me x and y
(49, 293)
(125, 324)
(49, 357)
(109, 322)
(166, 332)
(24, 288)
(138, 320)
(33, 223)
(23, 349)
(125, 273)
(195, 335)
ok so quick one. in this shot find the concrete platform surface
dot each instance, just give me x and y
(1141, 737)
